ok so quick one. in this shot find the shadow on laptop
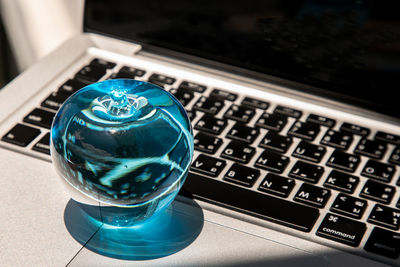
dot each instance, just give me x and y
(168, 233)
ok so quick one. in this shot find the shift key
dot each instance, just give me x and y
(341, 229)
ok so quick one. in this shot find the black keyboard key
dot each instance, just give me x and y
(395, 156)
(241, 132)
(71, 86)
(344, 161)
(155, 82)
(341, 229)
(239, 113)
(161, 79)
(208, 165)
(120, 76)
(272, 121)
(276, 185)
(211, 105)
(191, 114)
(242, 175)
(102, 63)
(40, 117)
(272, 161)
(378, 170)
(256, 204)
(349, 206)
(387, 137)
(184, 96)
(355, 129)
(207, 143)
(304, 130)
(310, 152)
(223, 94)
(210, 124)
(306, 172)
(21, 135)
(275, 141)
(383, 242)
(238, 151)
(193, 86)
(324, 121)
(255, 103)
(342, 181)
(54, 100)
(385, 216)
(43, 145)
(340, 140)
(90, 74)
(378, 192)
(312, 195)
(131, 72)
(288, 111)
(371, 148)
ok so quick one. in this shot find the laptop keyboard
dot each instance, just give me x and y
(247, 162)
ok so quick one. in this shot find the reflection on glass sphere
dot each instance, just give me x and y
(123, 143)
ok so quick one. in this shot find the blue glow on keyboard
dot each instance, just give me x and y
(124, 143)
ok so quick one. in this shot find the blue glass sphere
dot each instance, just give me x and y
(124, 143)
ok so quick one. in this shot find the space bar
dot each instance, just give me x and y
(250, 202)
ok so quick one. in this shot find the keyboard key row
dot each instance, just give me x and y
(333, 227)
(256, 204)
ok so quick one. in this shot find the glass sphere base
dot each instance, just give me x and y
(164, 234)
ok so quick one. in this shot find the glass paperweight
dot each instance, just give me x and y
(124, 143)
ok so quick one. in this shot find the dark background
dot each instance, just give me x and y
(347, 50)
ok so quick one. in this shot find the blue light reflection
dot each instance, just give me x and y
(164, 234)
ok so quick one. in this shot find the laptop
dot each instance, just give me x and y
(295, 121)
